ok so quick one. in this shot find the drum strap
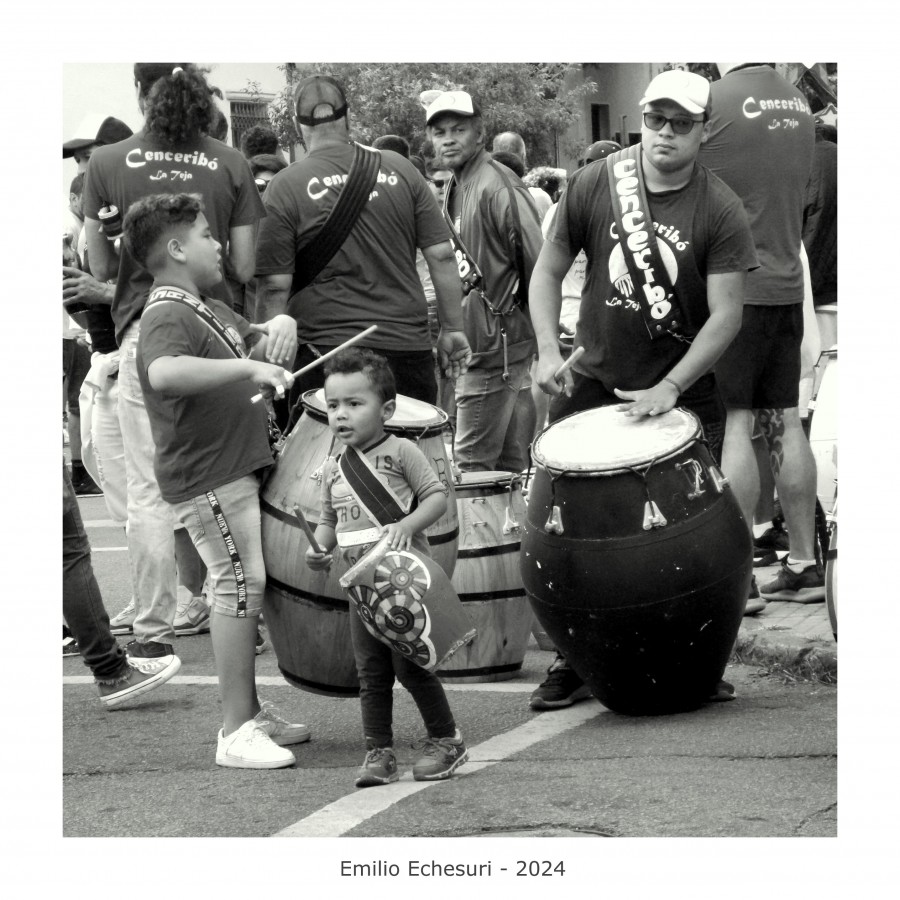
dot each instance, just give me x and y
(378, 501)
(650, 280)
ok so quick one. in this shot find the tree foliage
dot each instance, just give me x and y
(529, 98)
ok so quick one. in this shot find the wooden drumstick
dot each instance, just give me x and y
(310, 536)
(320, 359)
(573, 357)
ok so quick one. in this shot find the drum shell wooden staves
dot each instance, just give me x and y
(307, 612)
(648, 618)
(487, 578)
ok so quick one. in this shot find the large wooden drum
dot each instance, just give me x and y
(487, 578)
(636, 557)
(823, 421)
(307, 612)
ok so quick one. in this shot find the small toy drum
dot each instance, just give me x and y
(406, 601)
(636, 558)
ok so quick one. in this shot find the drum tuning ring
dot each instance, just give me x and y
(554, 524)
(694, 476)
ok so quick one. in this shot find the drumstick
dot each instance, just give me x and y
(307, 530)
(573, 357)
(320, 359)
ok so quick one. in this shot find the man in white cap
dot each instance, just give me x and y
(762, 140)
(651, 333)
(497, 239)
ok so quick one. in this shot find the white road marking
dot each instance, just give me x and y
(277, 681)
(343, 815)
(102, 523)
(107, 549)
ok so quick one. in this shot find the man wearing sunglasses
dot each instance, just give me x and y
(704, 242)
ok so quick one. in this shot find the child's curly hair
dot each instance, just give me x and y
(374, 366)
(156, 216)
(177, 100)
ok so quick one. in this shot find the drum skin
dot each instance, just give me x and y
(487, 578)
(648, 618)
(307, 612)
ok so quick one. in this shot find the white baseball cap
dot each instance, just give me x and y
(684, 88)
(457, 102)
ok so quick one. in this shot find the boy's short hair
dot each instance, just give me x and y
(155, 217)
(510, 160)
(259, 139)
(374, 366)
(77, 185)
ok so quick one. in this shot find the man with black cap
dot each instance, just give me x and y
(94, 131)
(598, 150)
(497, 238)
(372, 277)
(703, 238)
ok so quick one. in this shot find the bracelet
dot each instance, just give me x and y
(674, 385)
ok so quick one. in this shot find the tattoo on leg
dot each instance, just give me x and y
(771, 422)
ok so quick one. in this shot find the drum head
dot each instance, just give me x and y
(605, 440)
(410, 415)
(487, 479)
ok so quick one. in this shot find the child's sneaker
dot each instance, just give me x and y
(249, 747)
(379, 767)
(807, 586)
(277, 727)
(440, 758)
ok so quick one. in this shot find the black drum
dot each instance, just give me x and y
(636, 558)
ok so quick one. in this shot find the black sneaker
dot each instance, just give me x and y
(772, 545)
(807, 586)
(561, 687)
(85, 486)
(70, 647)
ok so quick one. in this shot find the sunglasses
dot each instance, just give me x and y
(680, 124)
(439, 182)
(261, 184)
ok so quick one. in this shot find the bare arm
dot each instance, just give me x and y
(725, 295)
(544, 303)
(272, 295)
(453, 346)
(102, 254)
(186, 375)
(426, 513)
(242, 252)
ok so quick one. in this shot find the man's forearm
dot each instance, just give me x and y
(448, 296)
(544, 304)
(272, 297)
(710, 343)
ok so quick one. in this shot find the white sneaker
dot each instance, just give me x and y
(249, 747)
(123, 623)
(278, 728)
(191, 615)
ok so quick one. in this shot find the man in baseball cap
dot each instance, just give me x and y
(598, 150)
(92, 131)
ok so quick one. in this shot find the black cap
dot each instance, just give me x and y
(110, 131)
(600, 150)
(315, 90)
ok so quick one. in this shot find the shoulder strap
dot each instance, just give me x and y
(649, 278)
(521, 290)
(318, 253)
(378, 501)
(207, 316)
(469, 273)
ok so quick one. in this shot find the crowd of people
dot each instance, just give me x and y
(196, 275)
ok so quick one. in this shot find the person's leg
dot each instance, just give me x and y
(414, 374)
(83, 607)
(108, 446)
(151, 543)
(514, 456)
(191, 568)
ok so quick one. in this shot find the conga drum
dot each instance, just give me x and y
(831, 560)
(636, 558)
(405, 600)
(306, 611)
(487, 578)
(823, 427)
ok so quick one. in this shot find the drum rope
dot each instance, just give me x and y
(653, 517)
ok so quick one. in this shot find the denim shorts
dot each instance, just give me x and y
(761, 367)
(224, 525)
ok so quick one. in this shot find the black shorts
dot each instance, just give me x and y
(761, 367)
(76, 365)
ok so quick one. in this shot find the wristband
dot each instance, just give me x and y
(674, 385)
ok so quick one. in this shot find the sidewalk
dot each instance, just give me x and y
(794, 637)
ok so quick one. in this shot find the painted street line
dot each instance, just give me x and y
(278, 681)
(102, 523)
(108, 549)
(343, 815)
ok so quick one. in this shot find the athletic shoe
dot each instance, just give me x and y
(278, 728)
(440, 758)
(155, 654)
(85, 486)
(755, 603)
(191, 616)
(249, 747)
(70, 647)
(123, 623)
(261, 643)
(807, 586)
(772, 545)
(723, 693)
(379, 767)
(561, 687)
(143, 675)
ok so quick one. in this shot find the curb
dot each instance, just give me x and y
(806, 660)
